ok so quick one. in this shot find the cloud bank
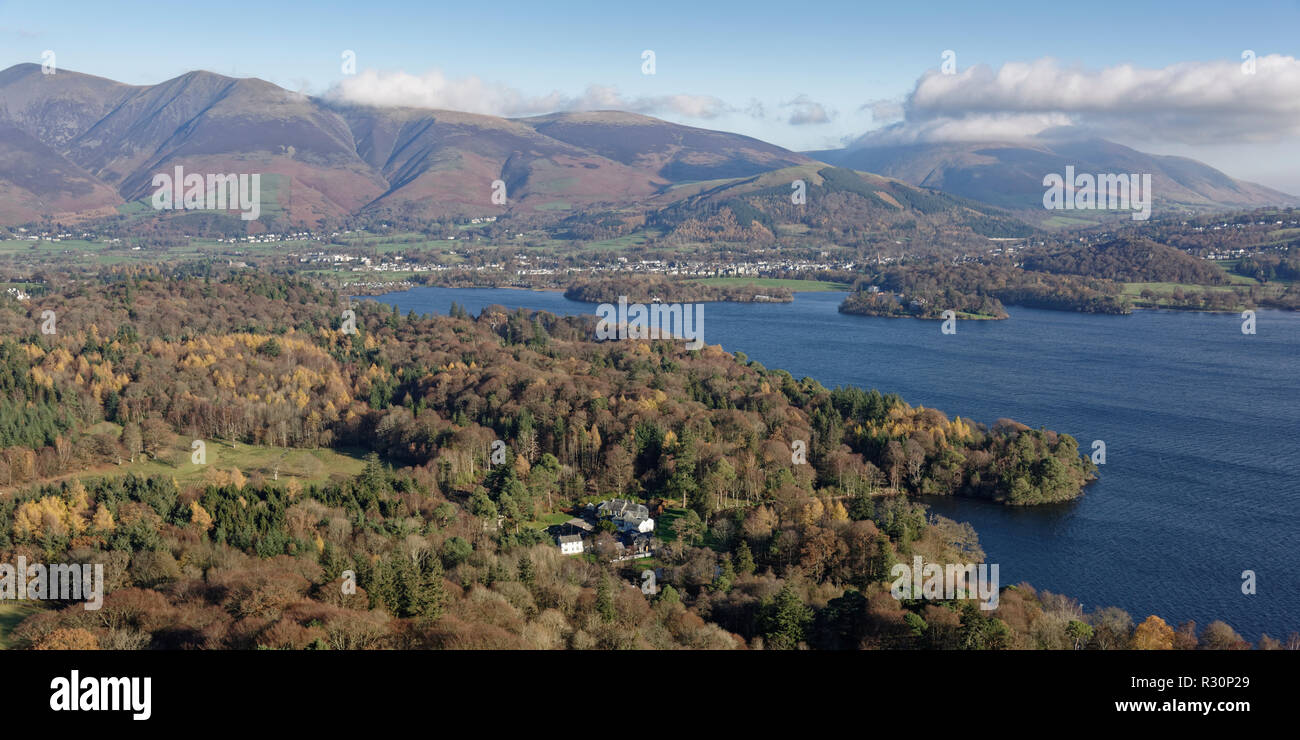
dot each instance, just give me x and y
(1254, 100)
(433, 89)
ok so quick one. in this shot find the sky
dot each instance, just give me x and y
(1166, 78)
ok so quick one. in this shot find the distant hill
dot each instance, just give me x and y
(36, 181)
(1128, 259)
(842, 204)
(73, 144)
(1011, 175)
(668, 151)
(77, 146)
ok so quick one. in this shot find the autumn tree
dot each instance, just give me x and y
(132, 439)
(1153, 634)
(75, 638)
(1219, 636)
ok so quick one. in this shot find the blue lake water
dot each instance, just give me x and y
(1200, 422)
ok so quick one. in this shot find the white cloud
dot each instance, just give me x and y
(982, 127)
(1193, 102)
(471, 94)
(691, 106)
(884, 111)
(807, 111)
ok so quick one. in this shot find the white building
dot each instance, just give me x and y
(627, 516)
(570, 544)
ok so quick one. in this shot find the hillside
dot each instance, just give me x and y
(1011, 175)
(1128, 259)
(433, 526)
(97, 144)
(669, 151)
(843, 205)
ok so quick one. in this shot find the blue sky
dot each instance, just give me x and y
(838, 56)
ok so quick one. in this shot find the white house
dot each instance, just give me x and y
(627, 516)
(570, 544)
(643, 525)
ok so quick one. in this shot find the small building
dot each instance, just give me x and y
(626, 515)
(578, 525)
(570, 544)
(635, 547)
(641, 545)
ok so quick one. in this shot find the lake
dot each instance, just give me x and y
(1200, 422)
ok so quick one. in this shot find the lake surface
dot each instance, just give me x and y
(1200, 422)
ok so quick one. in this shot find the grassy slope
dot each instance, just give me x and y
(309, 466)
(11, 615)
(306, 465)
(1164, 291)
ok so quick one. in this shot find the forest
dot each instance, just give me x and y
(925, 289)
(784, 504)
(1088, 278)
(1269, 267)
(1128, 259)
(659, 288)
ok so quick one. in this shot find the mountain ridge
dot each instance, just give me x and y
(341, 159)
(79, 146)
(1009, 174)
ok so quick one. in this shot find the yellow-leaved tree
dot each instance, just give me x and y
(1153, 634)
(200, 517)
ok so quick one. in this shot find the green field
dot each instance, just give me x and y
(306, 465)
(548, 520)
(49, 247)
(32, 288)
(798, 286)
(80, 251)
(619, 242)
(1137, 288)
(664, 528)
(11, 615)
(1164, 293)
(310, 465)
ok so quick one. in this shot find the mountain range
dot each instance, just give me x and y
(1010, 174)
(75, 146)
